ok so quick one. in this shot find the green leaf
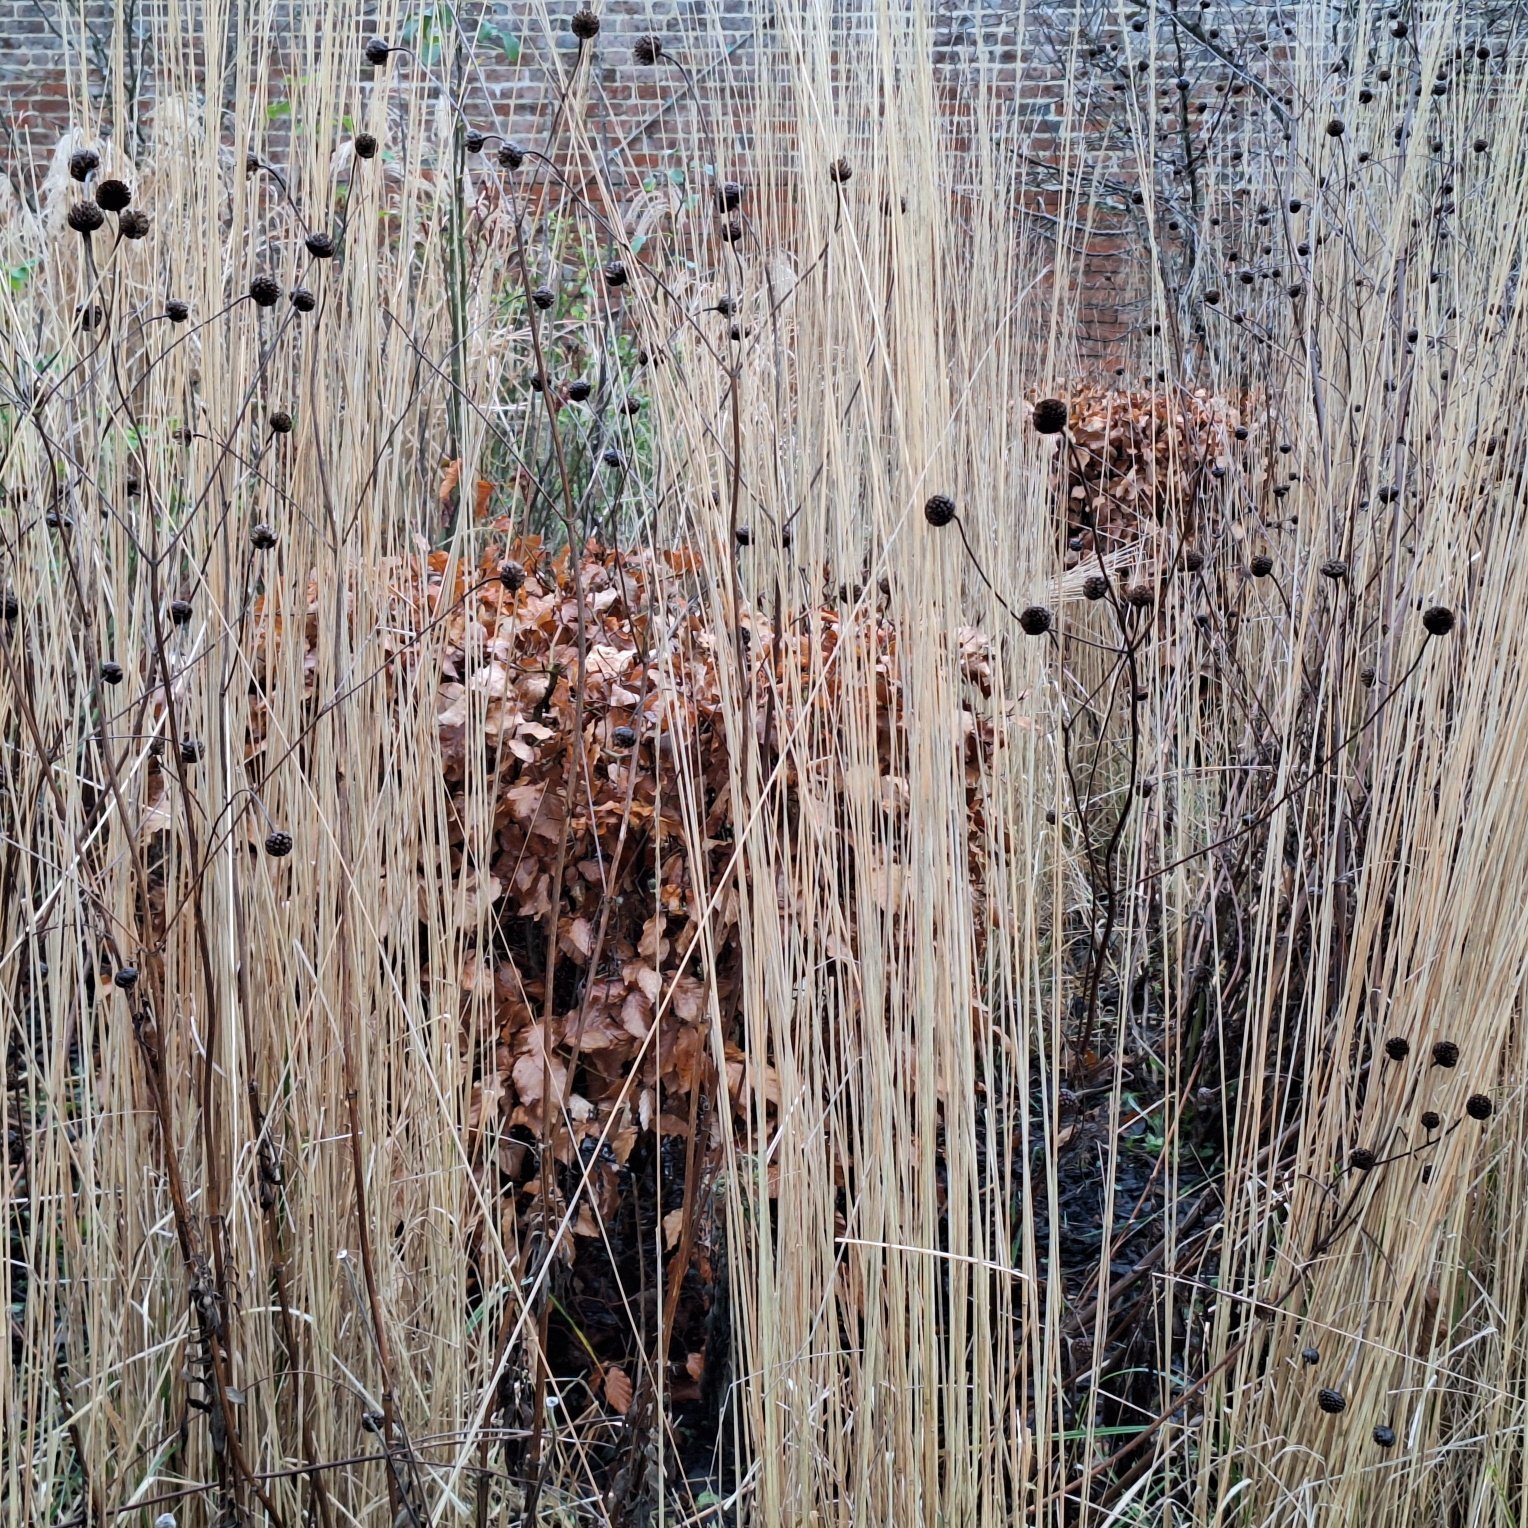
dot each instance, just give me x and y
(18, 274)
(278, 109)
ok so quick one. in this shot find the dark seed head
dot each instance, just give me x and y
(83, 163)
(191, 750)
(376, 52)
(91, 316)
(731, 231)
(579, 390)
(280, 422)
(585, 24)
(623, 737)
(729, 197)
(1049, 416)
(180, 611)
(543, 298)
(1331, 1402)
(1212, 296)
(302, 299)
(1193, 559)
(939, 510)
(85, 218)
(511, 156)
(266, 291)
(647, 49)
(1142, 596)
(1431, 1119)
(1362, 1159)
(615, 274)
(134, 223)
(1366, 677)
(1397, 1047)
(1034, 620)
(1478, 1106)
(10, 606)
(125, 977)
(278, 844)
(613, 458)
(1335, 569)
(177, 311)
(1439, 620)
(320, 246)
(113, 195)
(1095, 586)
(1445, 1053)
(262, 537)
(111, 673)
(743, 536)
(1335, 128)
(631, 406)
(1384, 1436)
(473, 141)
(1310, 1356)
(365, 145)
(840, 171)
(511, 575)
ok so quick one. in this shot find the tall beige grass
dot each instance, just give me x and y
(903, 1182)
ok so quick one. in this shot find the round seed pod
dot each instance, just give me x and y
(1049, 416)
(585, 24)
(1397, 1047)
(631, 406)
(1384, 1436)
(729, 196)
(113, 196)
(280, 422)
(579, 390)
(840, 172)
(376, 52)
(647, 50)
(1478, 1106)
(125, 977)
(613, 458)
(111, 673)
(134, 488)
(731, 231)
(1336, 128)
(511, 575)
(1310, 1356)
(939, 510)
(1095, 586)
(1142, 596)
(1362, 1159)
(543, 298)
(1034, 620)
(320, 246)
(83, 163)
(743, 536)
(85, 218)
(191, 750)
(90, 316)
(1335, 569)
(302, 299)
(278, 844)
(511, 156)
(615, 274)
(177, 311)
(180, 612)
(266, 291)
(1212, 296)
(1431, 1119)
(1387, 493)
(1332, 1402)
(624, 737)
(134, 223)
(262, 537)
(473, 141)
(1438, 620)
(365, 145)
(1193, 559)
(1445, 1053)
